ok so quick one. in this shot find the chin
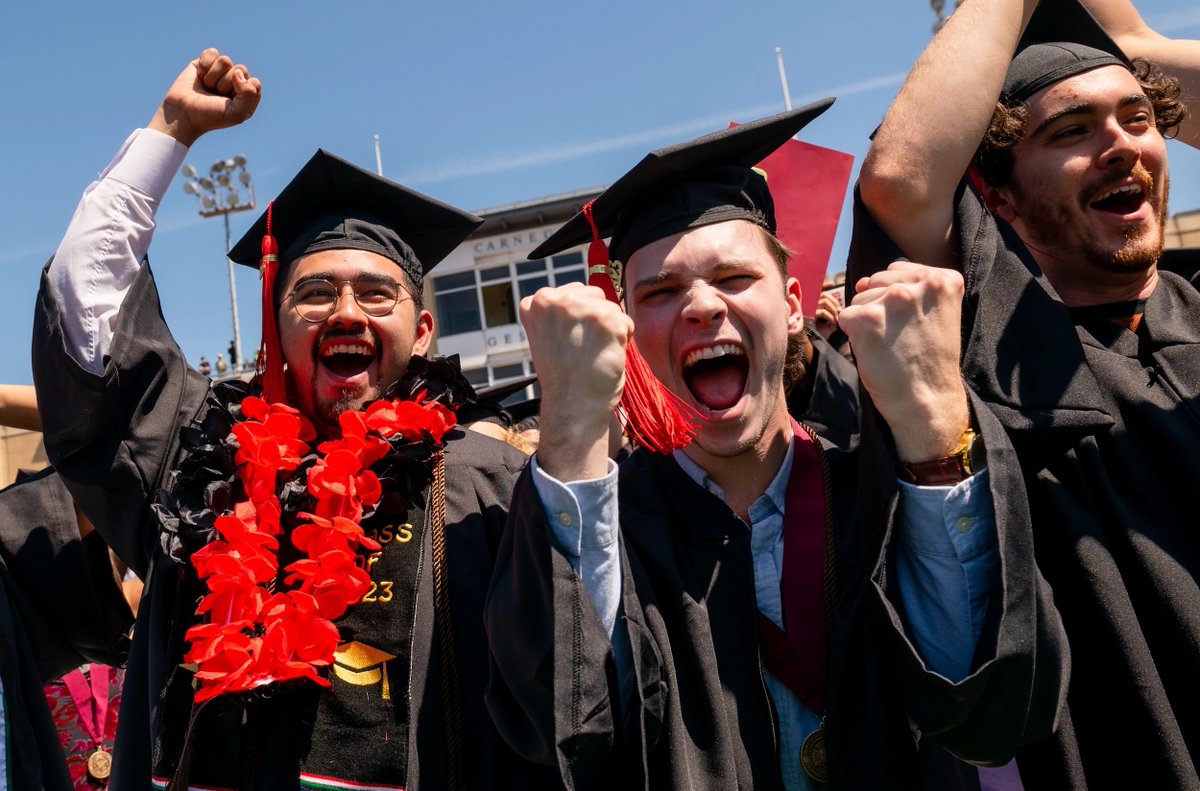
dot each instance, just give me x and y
(330, 409)
(1138, 255)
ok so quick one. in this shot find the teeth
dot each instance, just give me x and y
(346, 348)
(1133, 188)
(710, 352)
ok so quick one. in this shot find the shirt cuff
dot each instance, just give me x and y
(147, 162)
(949, 520)
(582, 514)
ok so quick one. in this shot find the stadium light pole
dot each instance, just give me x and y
(226, 189)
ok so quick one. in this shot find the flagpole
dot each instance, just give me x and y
(379, 158)
(787, 96)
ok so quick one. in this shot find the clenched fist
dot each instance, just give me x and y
(210, 93)
(904, 324)
(577, 339)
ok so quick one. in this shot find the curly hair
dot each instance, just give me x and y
(994, 158)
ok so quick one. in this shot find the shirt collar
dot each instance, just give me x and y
(776, 492)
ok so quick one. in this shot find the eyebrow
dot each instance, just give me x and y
(664, 277)
(363, 277)
(1087, 108)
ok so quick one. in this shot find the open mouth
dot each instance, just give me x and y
(1125, 199)
(716, 375)
(346, 359)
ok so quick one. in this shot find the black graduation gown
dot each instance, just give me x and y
(826, 398)
(115, 439)
(701, 717)
(1105, 422)
(60, 606)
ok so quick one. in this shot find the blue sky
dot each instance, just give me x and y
(478, 104)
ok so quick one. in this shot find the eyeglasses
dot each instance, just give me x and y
(315, 300)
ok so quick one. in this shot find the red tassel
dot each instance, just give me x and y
(654, 417)
(269, 365)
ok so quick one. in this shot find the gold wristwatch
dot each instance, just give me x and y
(967, 458)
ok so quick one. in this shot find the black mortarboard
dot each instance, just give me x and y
(490, 402)
(1062, 39)
(334, 205)
(700, 182)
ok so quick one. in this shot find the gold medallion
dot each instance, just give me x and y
(99, 765)
(812, 756)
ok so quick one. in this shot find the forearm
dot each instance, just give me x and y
(572, 448)
(934, 126)
(18, 407)
(107, 239)
(1177, 58)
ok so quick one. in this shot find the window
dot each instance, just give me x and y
(457, 303)
(568, 268)
(497, 291)
(503, 373)
(488, 297)
(478, 377)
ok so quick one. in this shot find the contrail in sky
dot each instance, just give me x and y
(642, 139)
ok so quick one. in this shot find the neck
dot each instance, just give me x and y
(744, 476)
(1076, 294)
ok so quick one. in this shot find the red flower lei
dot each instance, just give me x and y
(255, 635)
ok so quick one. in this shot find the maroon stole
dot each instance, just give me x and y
(799, 657)
(90, 696)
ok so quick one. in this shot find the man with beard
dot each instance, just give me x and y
(333, 526)
(712, 618)
(1088, 353)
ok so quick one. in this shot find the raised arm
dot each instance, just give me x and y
(910, 175)
(108, 237)
(114, 386)
(1176, 57)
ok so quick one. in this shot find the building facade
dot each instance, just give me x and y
(475, 293)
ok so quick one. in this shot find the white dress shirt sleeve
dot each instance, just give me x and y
(107, 239)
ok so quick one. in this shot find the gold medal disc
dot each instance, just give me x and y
(812, 756)
(99, 765)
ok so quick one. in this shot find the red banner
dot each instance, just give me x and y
(809, 185)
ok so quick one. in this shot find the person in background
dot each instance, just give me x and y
(62, 608)
(1027, 149)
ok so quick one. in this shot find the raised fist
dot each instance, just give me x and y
(905, 326)
(210, 93)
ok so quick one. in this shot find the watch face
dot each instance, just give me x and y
(977, 454)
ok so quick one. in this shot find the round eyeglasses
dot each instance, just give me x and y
(316, 299)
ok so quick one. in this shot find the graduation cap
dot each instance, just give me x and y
(363, 666)
(489, 402)
(701, 182)
(1061, 40)
(334, 205)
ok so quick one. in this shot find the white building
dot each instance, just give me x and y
(475, 292)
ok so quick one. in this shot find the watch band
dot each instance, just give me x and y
(947, 470)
